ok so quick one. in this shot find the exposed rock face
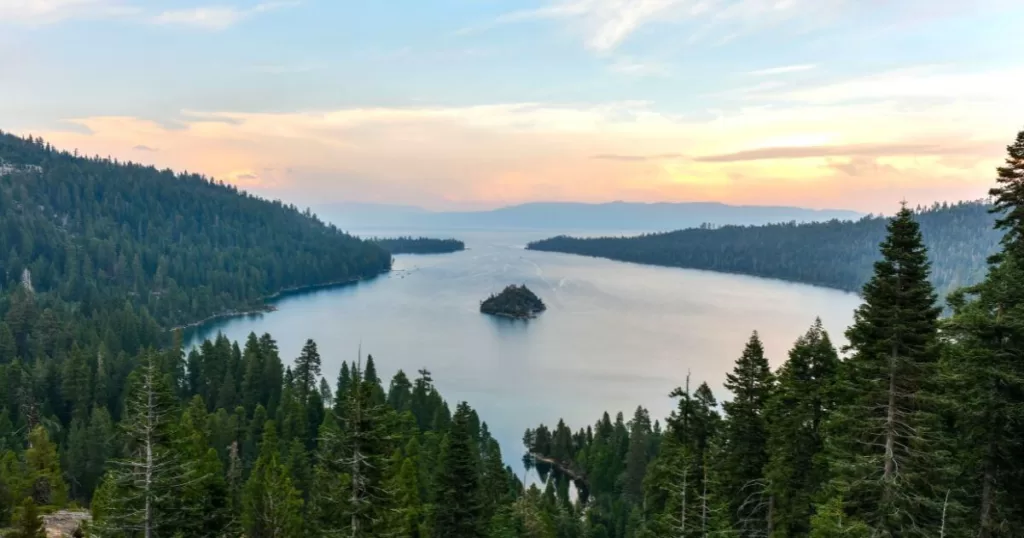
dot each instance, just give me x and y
(62, 524)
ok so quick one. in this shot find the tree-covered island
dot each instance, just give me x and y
(418, 245)
(513, 302)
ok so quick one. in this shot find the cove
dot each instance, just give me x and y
(615, 335)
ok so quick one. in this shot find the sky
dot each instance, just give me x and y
(472, 104)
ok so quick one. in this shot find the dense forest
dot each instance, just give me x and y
(418, 245)
(836, 254)
(102, 235)
(918, 431)
(513, 302)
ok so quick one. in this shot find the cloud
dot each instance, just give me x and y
(638, 158)
(140, 147)
(52, 11)
(914, 84)
(444, 156)
(851, 150)
(287, 69)
(782, 70)
(605, 24)
(639, 68)
(216, 17)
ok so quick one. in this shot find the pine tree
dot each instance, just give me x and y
(637, 455)
(1009, 198)
(802, 402)
(307, 371)
(253, 391)
(27, 522)
(42, 465)
(140, 490)
(983, 366)
(458, 507)
(746, 437)
(202, 500)
(272, 507)
(8, 347)
(356, 452)
(885, 449)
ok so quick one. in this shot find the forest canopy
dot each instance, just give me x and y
(418, 245)
(836, 254)
(95, 233)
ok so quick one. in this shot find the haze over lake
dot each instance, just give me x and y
(615, 335)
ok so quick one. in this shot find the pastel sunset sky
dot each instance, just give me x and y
(452, 104)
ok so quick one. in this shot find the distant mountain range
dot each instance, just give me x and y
(572, 216)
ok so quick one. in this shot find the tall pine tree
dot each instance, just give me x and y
(746, 441)
(885, 444)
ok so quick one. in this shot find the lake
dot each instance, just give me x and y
(615, 335)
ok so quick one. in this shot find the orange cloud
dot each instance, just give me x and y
(861, 155)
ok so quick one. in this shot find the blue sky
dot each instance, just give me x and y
(477, 103)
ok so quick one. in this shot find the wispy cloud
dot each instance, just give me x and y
(287, 69)
(782, 70)
(141, 147)
(638, 158)
(849, 150)
(211, 17)
(605, 24)
(216, 17)
(51, 11)
(639, 68)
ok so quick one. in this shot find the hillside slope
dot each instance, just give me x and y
(836, 254)
(96, 232)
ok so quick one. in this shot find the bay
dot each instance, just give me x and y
(615, 335)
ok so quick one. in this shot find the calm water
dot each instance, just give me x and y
(615, 335)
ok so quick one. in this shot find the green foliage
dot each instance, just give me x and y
(271, 506)
(418, 245)
(887, 449)
(513, 302)
(745, 436)
(27, 522)
(458, 499)
(803, 401)
(93, 231)
(836, 254)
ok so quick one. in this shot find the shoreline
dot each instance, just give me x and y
(265, 308)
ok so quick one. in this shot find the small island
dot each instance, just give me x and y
(419, 245)
(516, 302)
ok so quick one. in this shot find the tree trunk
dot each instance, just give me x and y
(987, 485)
(149, 453)
(890, 422)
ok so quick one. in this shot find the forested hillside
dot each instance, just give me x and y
(836, 254)
(97, 233)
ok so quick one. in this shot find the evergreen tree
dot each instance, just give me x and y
(457, 506)
(141, 489)
(637, 455)
(746, 437)
(358, 453)
(27, 522)
(886, 452)
(307, 371)
(983, 366)
(801, 404)
(1009, 198)
(45, 479)
(202, 499)
(271, 506)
